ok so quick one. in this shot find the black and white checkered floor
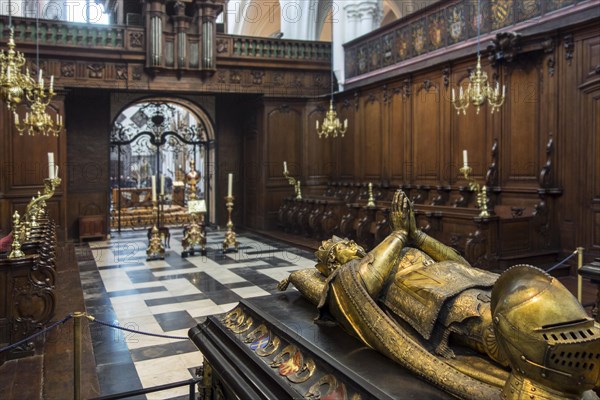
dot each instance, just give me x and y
(169, 297)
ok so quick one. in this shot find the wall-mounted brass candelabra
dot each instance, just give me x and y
(155, 250)
(230, 242)
(480, 191)
(371, 200)
(37, 206)
(292, 181)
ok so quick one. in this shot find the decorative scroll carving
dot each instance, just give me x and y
(545, 174)
(121, 72)
(235, 77)
(136, 72)
(475, 250)
(67, 69)
(136, 39)
(222, 46)
(569, 45)
(446, 75)
(96, 71)
(504, 48)
(491, 176)
(548, 46)
(257, 77)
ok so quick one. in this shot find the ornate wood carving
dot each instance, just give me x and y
(491, 176)
(446, 75)
(504, 48)
(569, 46)
(545, 179)
(548, 46)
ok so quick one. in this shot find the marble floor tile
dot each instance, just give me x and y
(168, 297)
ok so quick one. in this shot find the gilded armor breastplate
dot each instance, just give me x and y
(421, 287)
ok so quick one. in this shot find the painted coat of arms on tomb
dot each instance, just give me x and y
(456, 24)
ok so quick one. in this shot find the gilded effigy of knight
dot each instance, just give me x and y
(473, 333)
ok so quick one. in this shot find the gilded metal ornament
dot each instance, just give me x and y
(230, 242)
(480, 192)
(470, 332)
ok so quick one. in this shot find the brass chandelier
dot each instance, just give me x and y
(37, 121)
(13, 82)
(478, 90)
(331, 124)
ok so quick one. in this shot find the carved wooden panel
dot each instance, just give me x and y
(521, 126)
(590, 65)
(399, 131)
(251, 178)
(427, 130)
(372, 148)
(471, 133)
(346, 149)
(284, 127)
(317, 151)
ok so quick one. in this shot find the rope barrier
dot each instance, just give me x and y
(562, 262)
(20, 342)
(91, 318)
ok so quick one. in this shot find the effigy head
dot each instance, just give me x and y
(544, 331)
(336, 252)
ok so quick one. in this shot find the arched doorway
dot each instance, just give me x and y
(153, 144)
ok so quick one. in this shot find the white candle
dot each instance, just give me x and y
(16, 118)
(285, 170)
(162, 185)
(56, 172)
(40, 80)
(153, 187)
(51, 165)
(317, 124)
(51, 83)
(465, 159)
(230, 185)
(345, 123)
(453, 96)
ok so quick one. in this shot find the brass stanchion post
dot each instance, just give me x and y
(579, 278)
(77, 354)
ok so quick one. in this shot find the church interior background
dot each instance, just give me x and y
(180, 164)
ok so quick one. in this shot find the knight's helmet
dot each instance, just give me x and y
(545, 333)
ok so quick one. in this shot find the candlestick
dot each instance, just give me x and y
(465, 159)
(230, 185)
(153, 187)
(51, 165)
(371, 199)
(230, 241)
